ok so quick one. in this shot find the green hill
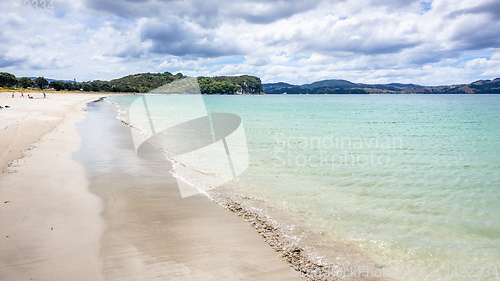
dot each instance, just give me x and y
(331, 84)
(143, 82)
(146, 82)
(231, 85)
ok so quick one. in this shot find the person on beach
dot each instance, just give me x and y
(12, 95)
(22, 95)
(44, 95)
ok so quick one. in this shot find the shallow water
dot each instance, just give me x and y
(413, 180)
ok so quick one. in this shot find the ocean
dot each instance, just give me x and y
(412, 181)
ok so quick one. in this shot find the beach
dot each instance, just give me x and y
(77, 200)
(50, 223)
(64, 220)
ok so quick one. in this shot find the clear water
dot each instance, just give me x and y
(414, 180)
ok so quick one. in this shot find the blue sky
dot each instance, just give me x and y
(370, 41)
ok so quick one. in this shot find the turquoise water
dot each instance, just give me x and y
(413, 180)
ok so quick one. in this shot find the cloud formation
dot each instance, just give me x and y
(297, 41)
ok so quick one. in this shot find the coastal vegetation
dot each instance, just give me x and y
(7, 79)
(41, 83)
(25, 82)
(140, 83)
(230, 85)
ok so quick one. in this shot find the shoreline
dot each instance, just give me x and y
(150, 229)
(305, 250)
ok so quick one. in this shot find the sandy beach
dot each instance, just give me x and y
(64, 220)
(49, 223)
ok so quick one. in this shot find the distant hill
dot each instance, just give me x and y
(282, 88)
(276, 86)
(491, 86)
(51, 80)
(337, 86)
(334, 86)
(404, 86)
(331, 84)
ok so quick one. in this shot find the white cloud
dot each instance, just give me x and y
(488, 67)
(176, 64)
(297, 41)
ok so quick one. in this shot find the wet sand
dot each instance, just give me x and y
(151, 232)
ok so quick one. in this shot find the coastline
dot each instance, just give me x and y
(151, 231)
(308, 253)
(137, 226)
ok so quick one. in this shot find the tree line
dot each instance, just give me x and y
(142, 83)
(9, 80)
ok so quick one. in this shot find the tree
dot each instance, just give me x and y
(57, 85)
(25, 82)
(7, 79)
(41, 82)
(69, 86)
(95, 86)
(86, 86)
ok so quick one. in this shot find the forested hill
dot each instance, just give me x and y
(336, 86)
(137, 83)
(245, 84)
(141, 83)
(145, 82)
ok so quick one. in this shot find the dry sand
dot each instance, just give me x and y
(27, 120)
(53, 228)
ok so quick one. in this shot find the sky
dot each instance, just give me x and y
(430, 43)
